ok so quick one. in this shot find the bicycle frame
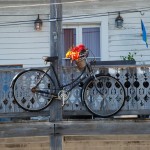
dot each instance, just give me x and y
(61, 86)
(88, 69)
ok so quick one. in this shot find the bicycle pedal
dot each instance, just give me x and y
(54, 95)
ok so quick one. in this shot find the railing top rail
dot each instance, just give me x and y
(67, 67)
(20, 69)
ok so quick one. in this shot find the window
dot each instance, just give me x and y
(82, 28)
(69, 38)
(87, 35)
(91, 38)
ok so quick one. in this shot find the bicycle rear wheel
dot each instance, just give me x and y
(103, 96)
(23, 92)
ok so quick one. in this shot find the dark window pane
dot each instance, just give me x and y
(69, 36)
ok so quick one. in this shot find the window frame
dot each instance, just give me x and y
(79, 30)
(102, 22)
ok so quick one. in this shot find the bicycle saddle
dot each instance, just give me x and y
(50, 59)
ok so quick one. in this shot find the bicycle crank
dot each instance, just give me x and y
(63, 95)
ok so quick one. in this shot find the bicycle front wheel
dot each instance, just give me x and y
(104, 96)
(29, 99)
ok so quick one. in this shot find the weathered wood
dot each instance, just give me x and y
(56, 142)
(55, 37)
(71, 113)
(68, 113)
(86, 127)
(23, 114)
(56, 110)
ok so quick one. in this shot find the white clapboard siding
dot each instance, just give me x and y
(129, 38)
(20, 43)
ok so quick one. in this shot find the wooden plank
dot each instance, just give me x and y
(107, 142)
(77, 113)
(23, 114)
(69, 113)
(87, 127)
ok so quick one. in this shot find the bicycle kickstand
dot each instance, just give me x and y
(63, 101)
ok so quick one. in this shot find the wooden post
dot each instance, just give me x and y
(56, 29)
(55, 38)
(55, 50)
(55, 140)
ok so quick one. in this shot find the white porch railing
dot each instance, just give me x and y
(135, 79)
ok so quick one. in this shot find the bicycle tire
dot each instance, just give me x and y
(25, 98)
(103, 96)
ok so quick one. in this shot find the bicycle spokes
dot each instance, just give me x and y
(104, 96)
(31, 94)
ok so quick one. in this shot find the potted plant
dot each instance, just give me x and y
(129, 59)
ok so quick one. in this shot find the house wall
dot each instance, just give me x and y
(124, 40)
(129, 38)
(21, 44)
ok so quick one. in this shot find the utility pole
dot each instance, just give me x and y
(55, 28)
(55, 50)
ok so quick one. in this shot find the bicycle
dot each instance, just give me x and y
(34, 89)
